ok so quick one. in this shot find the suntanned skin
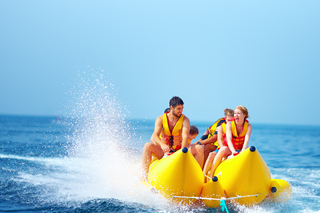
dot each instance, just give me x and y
(159, 148)
(208, 145)
(212, 155)
(224, 151)
(173, 117)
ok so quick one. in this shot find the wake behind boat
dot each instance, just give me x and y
(244, 179)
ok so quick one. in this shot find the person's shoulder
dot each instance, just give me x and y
(186, 120)
(185, 117)
(159, 118)
(221, 121)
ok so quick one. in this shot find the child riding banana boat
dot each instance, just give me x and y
(243, 179)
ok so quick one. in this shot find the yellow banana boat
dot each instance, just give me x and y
(177, 175)
(245, 179)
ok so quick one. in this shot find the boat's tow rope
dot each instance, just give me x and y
(222, 200)
(207, 176)
(223, 206)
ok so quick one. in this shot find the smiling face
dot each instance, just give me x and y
(239, 116)
(177, 111)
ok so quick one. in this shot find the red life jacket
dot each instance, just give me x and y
(238, 140)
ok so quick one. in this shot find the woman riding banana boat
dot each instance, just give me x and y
(242, 179)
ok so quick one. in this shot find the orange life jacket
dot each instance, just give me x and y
(238, 140)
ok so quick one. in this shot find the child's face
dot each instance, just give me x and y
(191, 137)
(229, 117)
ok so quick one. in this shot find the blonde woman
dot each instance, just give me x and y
(238, 134)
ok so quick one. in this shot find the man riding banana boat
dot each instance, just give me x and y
(243, 179)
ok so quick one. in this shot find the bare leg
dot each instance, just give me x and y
(148, 150)
(223, 152)
(207, 149)
(197, 152)
(209, 162)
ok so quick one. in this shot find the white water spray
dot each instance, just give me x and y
(108, 167)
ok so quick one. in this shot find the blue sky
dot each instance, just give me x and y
(213, 54)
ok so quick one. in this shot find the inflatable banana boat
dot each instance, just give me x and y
(244, 179)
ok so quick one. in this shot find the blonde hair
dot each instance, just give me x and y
(229, 112)
(243, 110)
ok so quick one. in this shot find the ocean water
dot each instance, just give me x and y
(91, 164)
(88, 159)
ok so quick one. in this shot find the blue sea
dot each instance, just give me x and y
(90, 163)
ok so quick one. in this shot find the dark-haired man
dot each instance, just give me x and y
(170, 134)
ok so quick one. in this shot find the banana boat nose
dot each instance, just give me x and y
(246, 174)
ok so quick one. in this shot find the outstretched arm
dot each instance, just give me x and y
(247, 138)
(220, 136)
(229, 138)
(212, 139)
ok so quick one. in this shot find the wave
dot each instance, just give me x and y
(33, 159)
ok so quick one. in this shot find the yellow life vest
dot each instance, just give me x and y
(238, 140)
(224, 129)
(212, 129)
(172, 139)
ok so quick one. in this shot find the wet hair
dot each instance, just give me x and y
(167, 110)
(243, 110)
(175, 101)
(193, 130)
(229, 112)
